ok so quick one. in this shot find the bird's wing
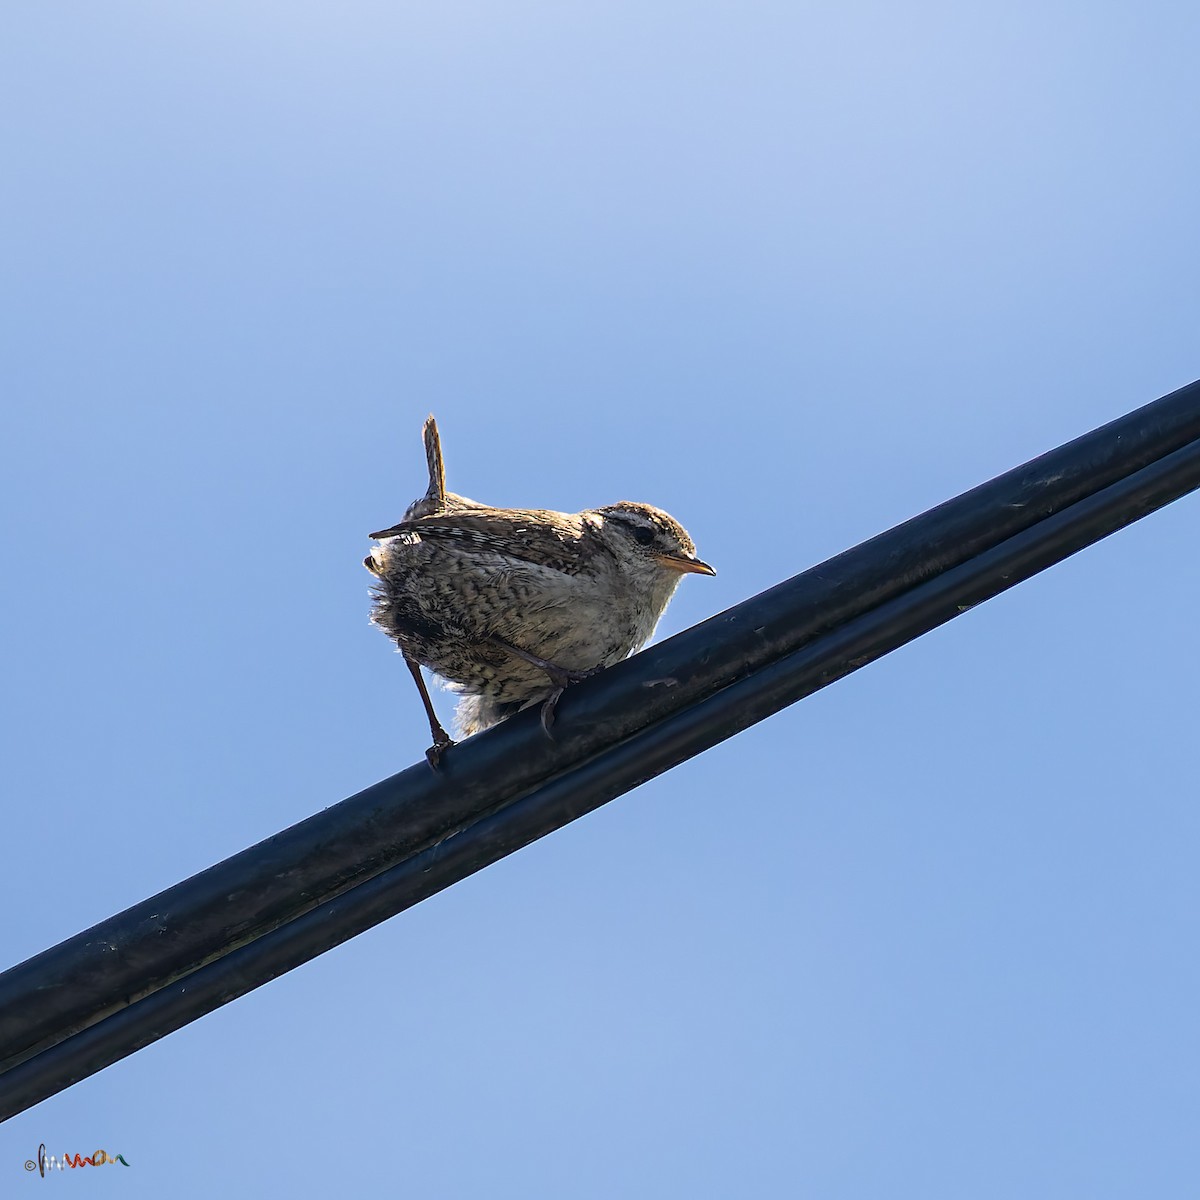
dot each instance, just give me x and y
(536, 536)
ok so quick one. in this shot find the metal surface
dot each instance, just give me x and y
(99, 996)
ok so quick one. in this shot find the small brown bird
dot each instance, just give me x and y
(510, 605)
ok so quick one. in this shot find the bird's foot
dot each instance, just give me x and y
(442, 741)
(562, 679)
(548, 707)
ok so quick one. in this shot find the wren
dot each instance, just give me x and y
(512, 605)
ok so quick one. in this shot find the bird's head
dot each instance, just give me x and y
(651, 541)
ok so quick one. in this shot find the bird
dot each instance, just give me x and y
(510, 606)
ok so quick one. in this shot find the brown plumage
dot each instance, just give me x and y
(511, 605)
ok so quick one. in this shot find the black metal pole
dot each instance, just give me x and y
(169, 960)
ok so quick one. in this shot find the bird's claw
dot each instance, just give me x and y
(442, 741)
(563, 677)
(548, 707)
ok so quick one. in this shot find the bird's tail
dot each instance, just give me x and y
(437, 468)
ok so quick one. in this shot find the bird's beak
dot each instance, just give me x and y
(684, 564)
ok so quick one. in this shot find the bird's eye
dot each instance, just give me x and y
(643, 536)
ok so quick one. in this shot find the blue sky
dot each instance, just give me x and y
(794, 272)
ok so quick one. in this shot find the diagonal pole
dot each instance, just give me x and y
(103, 994)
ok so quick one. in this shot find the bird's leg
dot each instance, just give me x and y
(441, 739)
(561, 677)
